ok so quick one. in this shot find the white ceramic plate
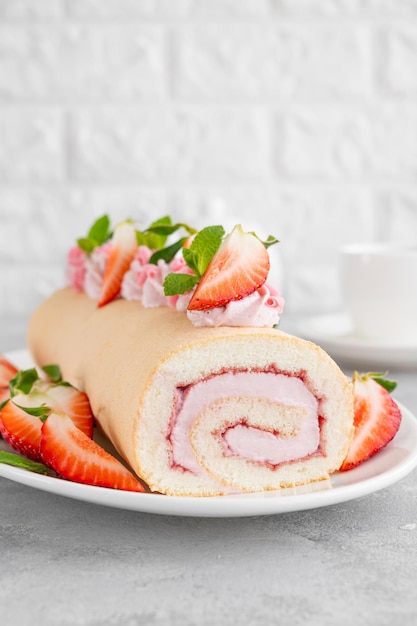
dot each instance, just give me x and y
(385, 468)
(335, 335)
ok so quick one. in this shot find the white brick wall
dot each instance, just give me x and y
(297, 117)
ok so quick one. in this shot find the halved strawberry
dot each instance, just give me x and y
(377, 418)
(4, 395)
(32, 400)
(60, 397)
(76, 457)
(124, 246)
(74, 403)
(21, 430)
(7, 371)
(239, 267)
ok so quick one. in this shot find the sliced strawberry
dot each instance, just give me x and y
(32, 400)
(4, 395)
(124, 246)
(7, 371)
(239, 267)
(59, 397)
(67, 399)
(76, 457)
(20, 430)
(377, 419)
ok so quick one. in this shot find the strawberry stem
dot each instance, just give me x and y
(378, 377)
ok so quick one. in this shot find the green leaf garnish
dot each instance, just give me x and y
(100, 230)
(379, 377)
(151, 236)
(204, 246)
(23, 381)
(53, 372)
(99, 233)
(23, 384)
(86, 244)
(168, 253)
(156, 235)
(166, 229)
(18, 461)
(175, 284)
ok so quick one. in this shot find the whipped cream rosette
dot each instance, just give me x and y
(204, 406)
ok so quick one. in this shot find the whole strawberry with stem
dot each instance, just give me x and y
(377, 417)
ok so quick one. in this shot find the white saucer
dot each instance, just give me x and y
(335, 335)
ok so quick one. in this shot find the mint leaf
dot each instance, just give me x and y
(23, 381)
(18, 461)
(53, 372)
(168, 253)
(204, 246)
(86, 244)
(167, 229)
(150, 237)
(175, 284)
(99, 233)
(156, 235)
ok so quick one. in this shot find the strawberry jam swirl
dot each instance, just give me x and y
(143, 282)
(264, 417)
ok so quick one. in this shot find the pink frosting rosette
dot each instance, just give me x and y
(95, 268)
(261, 308)
(144, 282)
(76, 268)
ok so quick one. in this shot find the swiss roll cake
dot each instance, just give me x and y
(187, 374)
(199, 411)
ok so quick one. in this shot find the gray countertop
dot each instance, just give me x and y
(65, 562)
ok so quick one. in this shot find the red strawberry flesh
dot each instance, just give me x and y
(74, 403)
(124, 246)
(377, 419)
(21, 430)
(7, 371)
(76, 457)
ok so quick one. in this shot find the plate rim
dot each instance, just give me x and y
(315, 495)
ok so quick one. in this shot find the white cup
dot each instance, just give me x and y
(379, 288)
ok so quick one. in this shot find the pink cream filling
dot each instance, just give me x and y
(248, 442)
